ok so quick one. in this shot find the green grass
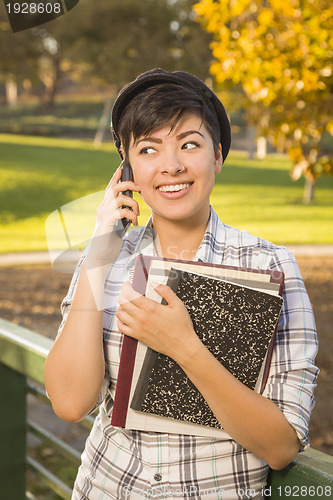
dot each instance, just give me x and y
(38, 175)
(260, 196)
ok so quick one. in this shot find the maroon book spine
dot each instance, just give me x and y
(128, 352)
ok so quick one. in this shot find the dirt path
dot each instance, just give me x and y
(31, 296)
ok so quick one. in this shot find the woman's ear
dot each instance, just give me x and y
(218, 160)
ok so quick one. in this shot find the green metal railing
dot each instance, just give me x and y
(22, 357)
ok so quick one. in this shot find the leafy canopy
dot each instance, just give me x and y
(281, 55)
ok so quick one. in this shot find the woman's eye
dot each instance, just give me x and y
(190, 145)
(147, 151)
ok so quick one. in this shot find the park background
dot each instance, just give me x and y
(272, 68)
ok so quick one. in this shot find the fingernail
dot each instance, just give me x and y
(154, 284)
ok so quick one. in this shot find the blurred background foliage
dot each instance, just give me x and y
(271, 62)
(105, 43)
(280, 53)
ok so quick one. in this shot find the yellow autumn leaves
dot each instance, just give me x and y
(281, 54)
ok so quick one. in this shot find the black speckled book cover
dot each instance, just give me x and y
(234, 322)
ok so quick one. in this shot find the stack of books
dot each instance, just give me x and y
(234, 312)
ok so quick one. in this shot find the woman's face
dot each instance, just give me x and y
(176, 169)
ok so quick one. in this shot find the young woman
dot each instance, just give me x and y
(175, 134)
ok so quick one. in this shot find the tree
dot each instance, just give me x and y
(191, 40)
(111, 42)
(281, 55)
(19, 53)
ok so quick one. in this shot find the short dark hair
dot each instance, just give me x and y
(156, 106)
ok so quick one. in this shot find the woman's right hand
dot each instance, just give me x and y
(105, 243)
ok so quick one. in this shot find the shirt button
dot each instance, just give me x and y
(158, 477)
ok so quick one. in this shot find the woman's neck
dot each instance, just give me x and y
(177, 240)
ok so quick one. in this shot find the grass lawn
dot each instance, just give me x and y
(38, 175)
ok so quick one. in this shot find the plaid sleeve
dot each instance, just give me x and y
(65, 308)
(293, 373)
(68, 299)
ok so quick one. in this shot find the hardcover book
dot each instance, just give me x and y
(148, 268)
(236, 324)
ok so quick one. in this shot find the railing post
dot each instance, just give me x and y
(13, 416)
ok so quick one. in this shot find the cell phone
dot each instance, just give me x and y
(122, 225)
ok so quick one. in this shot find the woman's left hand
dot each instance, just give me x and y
(167, 329)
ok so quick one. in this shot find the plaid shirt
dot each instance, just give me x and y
(119, 463)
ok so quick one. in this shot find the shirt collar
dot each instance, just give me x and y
(145, 244)
(214, 235)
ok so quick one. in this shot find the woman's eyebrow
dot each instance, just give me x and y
(149, 139)
(179, 137)
(188, 132)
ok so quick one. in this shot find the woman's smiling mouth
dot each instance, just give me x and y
(172, 188)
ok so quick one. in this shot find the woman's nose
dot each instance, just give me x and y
(172, 164)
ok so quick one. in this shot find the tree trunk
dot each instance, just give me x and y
(309, 190)
(251, 141)
(103, 123)
(11, 91)
(261, 148)
(52, 83)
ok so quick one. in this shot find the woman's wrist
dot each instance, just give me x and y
(191, 356)
(102, 251)
(95, 276)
